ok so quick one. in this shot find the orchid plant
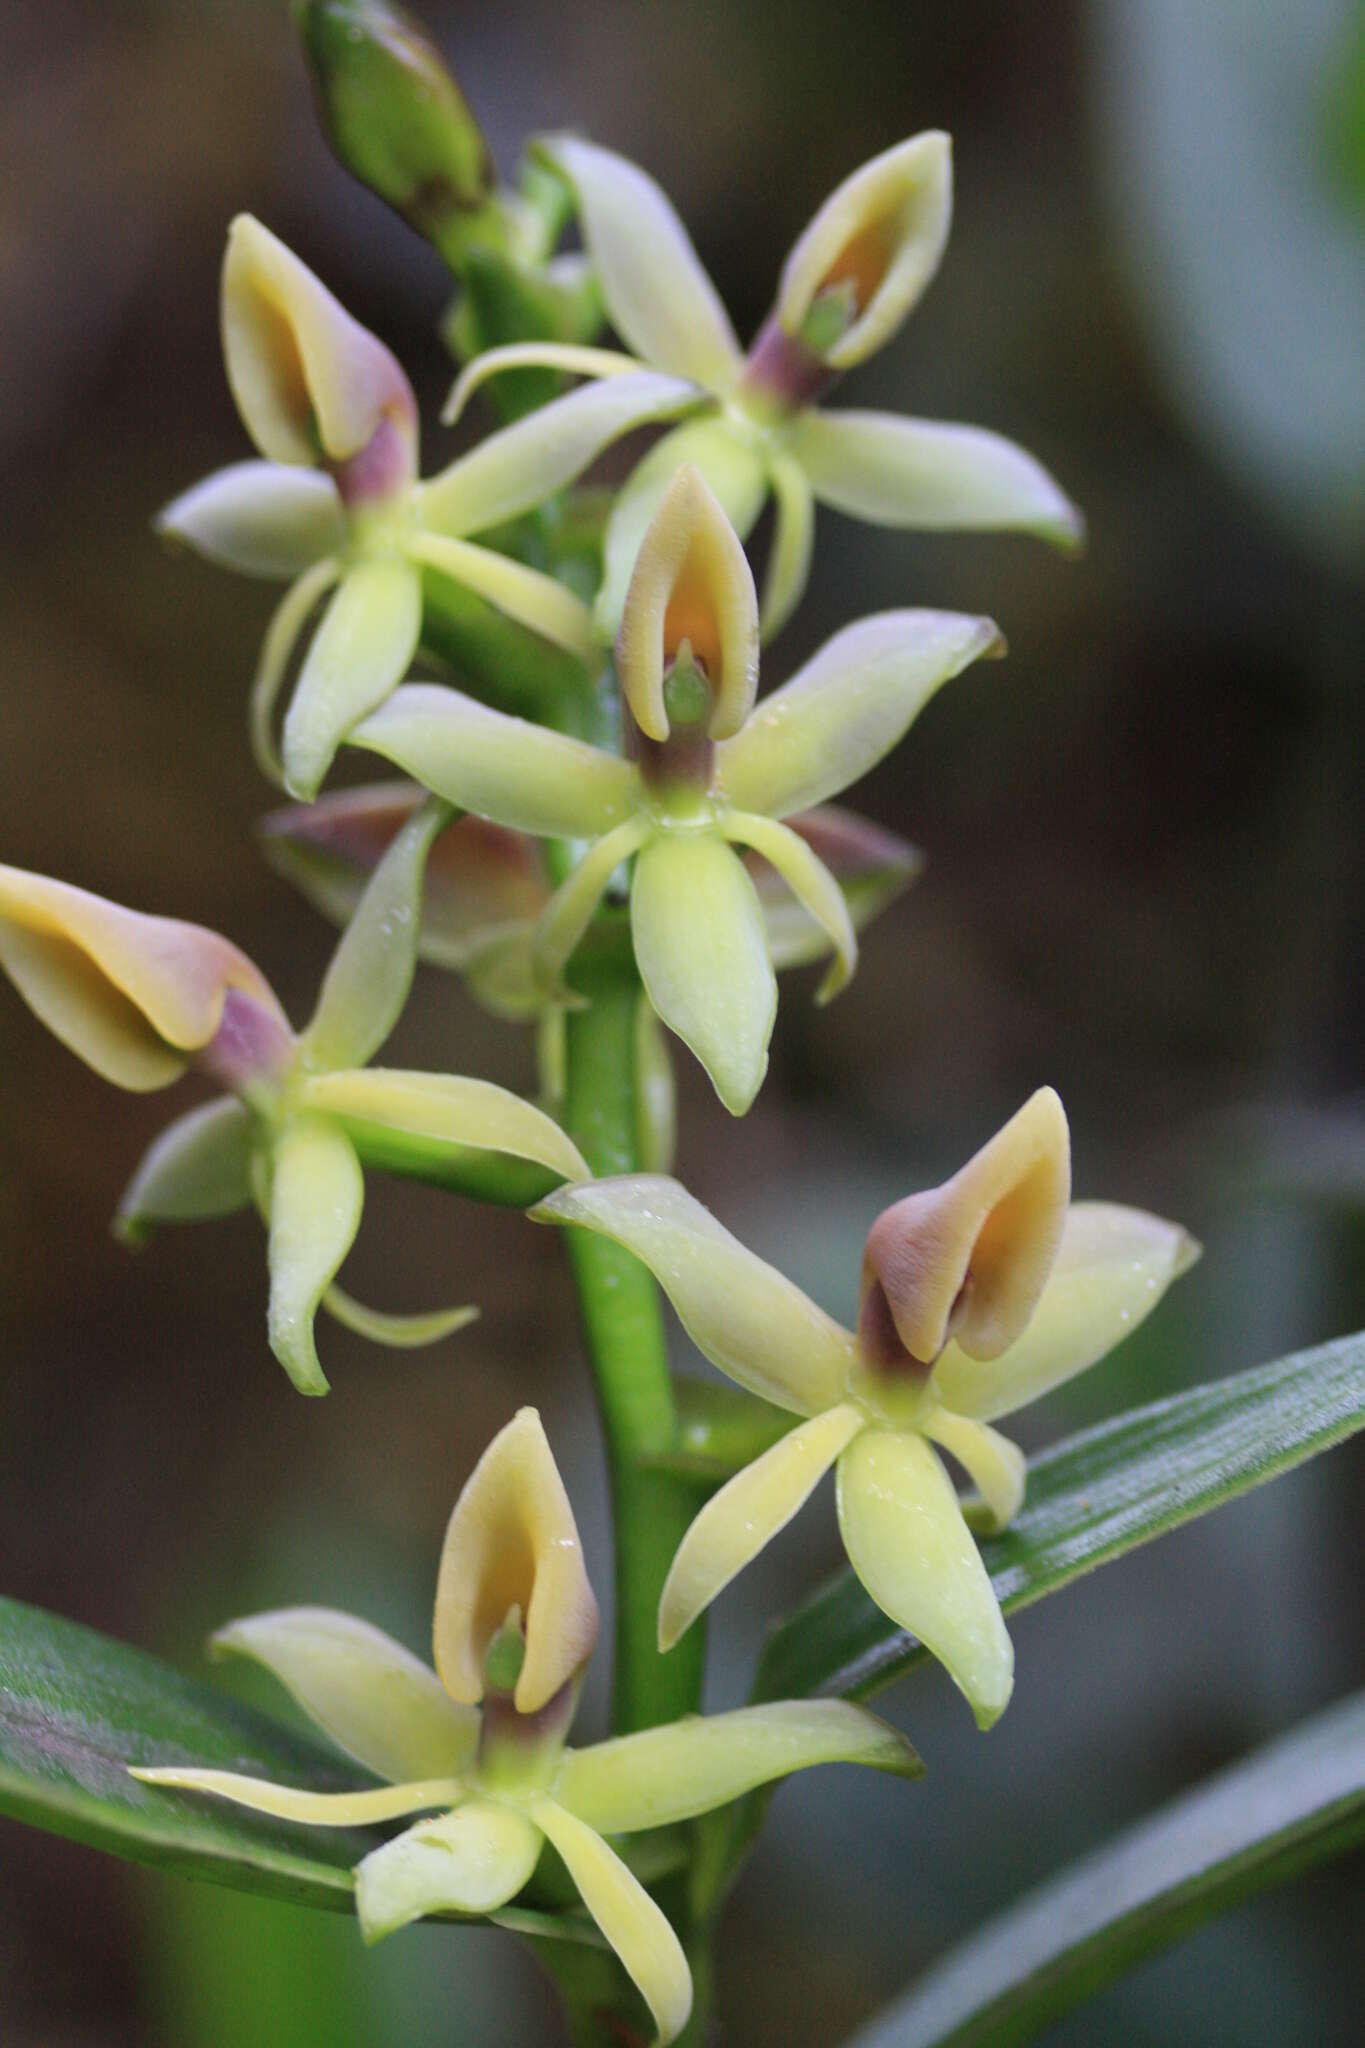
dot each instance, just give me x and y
(613, 830)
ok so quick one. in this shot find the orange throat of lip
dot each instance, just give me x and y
(861, 264)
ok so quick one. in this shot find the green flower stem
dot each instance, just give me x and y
(627, 1348)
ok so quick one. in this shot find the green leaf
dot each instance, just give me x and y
(1294, 1803)
(76, 1709)
(1091, 1499)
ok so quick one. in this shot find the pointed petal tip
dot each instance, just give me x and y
(1188, 1252)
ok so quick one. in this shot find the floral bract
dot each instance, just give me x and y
(847, 285)
(976, 1298)
(713, 769)
(480, 1742)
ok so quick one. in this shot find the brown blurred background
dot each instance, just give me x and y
(1145, 848)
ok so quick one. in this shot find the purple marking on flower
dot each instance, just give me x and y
(782, 374)
(251, 1043)
(880, 1341)
(384, 467)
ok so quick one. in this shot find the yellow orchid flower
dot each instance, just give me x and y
(712, 770)
(337, 508)
(480, 1742)
(847, 285)
(976, 1298)
(141, 998)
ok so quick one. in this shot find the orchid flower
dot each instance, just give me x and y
(480, 1742)
(713, 770)
(486, 886)
(336, 506)
(141, 998)
(976, 1298)
(850, 280)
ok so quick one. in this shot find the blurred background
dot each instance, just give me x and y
(1146, 847)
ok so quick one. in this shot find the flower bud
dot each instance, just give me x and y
(513, 1543)
(691, 612)
(969, 1260)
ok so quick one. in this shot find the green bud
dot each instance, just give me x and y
(393, 113)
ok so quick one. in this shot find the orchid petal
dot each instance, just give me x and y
(649, 1950)
(483, 884)
(501, 976)
(424, 1124)
(360, 653)
(884, 228)
(131, 995)
(523, 594)
(517, 468)
(969, 1260)
(670, 1774)
(370, 974)
(316, 1195)
(377, 1701)
(810, 881)
(399, 1332)
(788, 569)
(570, 910)
(1111, 1270)
(748, 1318)
(702, 956)
(573, 360)
(470, 1861)
(907, 1541)
(513, 1542)
(659, 299)
(260, 518)
(691, 584)
(733, 469)
(287, 622)
(847, 707)
(747, 1513)
(313, 1809)
(503, 768)
(200, 1167)
(997, 1468)
(307, 378)
(871, 866)
(930, 474)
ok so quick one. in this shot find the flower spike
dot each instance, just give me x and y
(496, 1783)
(977, 1297)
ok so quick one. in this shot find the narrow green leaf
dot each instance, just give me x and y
(1091, 1499)
(1294, 1803)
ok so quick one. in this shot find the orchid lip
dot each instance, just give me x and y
(252, 1045)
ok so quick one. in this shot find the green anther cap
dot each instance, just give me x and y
(505, 1654)
(828, 318)
(687, 693)
(392, 111)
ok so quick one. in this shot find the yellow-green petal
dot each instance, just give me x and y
(503, 768)
(733, 469)
(703, 958)
(370, 973)
(673, 1773)
(812, 884)
(313, 1809)
(470, 1861)
(907, 1541)
(659, 299)
(747, 1513)
(846, 708)
(377, 1701)
(788, 570)
(360, 653)
(516, 469)
(648, 1948)
(259, 518)
(200, 1167)
(409, 1122)
(997, 1468)
(570, 910)
(748, 1318)
(399, 1332)
(523, 594)
(287, 622)
(316, 1196)
(930, 474)
(1112, 1268)
(573, 359)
